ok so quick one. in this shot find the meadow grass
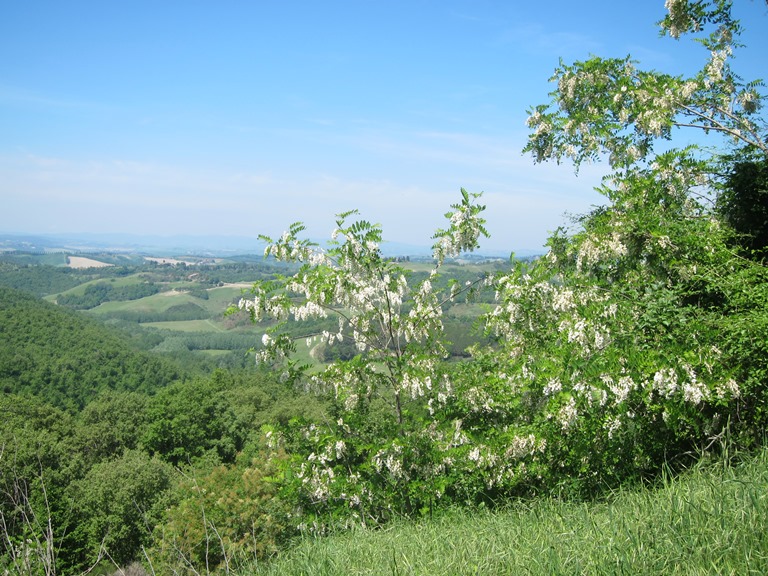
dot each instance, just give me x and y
(220, 297)
(159, 302)
(79, 290)
(205, 325)
(711, 520)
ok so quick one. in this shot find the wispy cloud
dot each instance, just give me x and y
(19, 96)
(535, 39)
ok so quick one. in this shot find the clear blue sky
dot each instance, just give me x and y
(240, 117)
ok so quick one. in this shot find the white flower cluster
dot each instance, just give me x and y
(479, 401)
(288, 248)
(750, 101)
(553, 387)
(482, 456)
(594, 395)
(568, 414)
(389, 460)
(620, 389)
(693, 390)
(678, 17)
(594, 250)
(589, 336)
(689, 88)
(317, 476)
(417, 383)
(465, 229)
(728, 389)
(612, 425)
(665, 382)
(716, 65)
(522, 446)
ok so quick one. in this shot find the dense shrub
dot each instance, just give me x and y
(223, 518)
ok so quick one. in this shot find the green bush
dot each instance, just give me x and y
(223, 518)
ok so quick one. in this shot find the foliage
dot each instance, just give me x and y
(40, 280)
(743, 204)
(177, 312)
(112, 423)
(101, 292)
(355, 465)
(189, 419)
(609, 106)
(223, 518)
(632, 344)
(39, 457)
(621, 347)
(639, 340)
(118, 503)
(66, 358)
(394, 326)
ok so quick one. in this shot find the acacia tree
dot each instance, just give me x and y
(382, 394)
(641, 334)
(640, 337)
(611, 107)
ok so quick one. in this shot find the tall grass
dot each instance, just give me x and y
(712, 520)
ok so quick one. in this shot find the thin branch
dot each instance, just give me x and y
(720, 127)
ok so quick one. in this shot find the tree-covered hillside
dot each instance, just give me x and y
(67, 358)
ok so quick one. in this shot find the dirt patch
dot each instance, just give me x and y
(165, 260)
(80, 262)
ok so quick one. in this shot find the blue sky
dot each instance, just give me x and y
(238, 118)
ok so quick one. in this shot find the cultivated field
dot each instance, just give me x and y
(82, 262)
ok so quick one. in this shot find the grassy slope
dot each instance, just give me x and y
(710, 521)
(218, 300)
(79, 290)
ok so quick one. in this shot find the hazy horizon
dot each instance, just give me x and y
(118, 242)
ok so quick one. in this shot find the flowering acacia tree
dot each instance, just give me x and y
(609, 106)
(641, 336)
(397, 331)
(635, 339)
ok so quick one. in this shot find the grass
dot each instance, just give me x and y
(187, 325)
(218, 300)
(712, 520)
(214, 353)
(79, 290)
(159, 302)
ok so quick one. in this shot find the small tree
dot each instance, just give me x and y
(397, 331)
(626, 344)
(395, 327)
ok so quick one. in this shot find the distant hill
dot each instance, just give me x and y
(83, 243)
(130, 243)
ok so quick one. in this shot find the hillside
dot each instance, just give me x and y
(67, 358)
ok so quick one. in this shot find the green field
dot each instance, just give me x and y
(187, 326)
(156, 303)
(79, 290)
